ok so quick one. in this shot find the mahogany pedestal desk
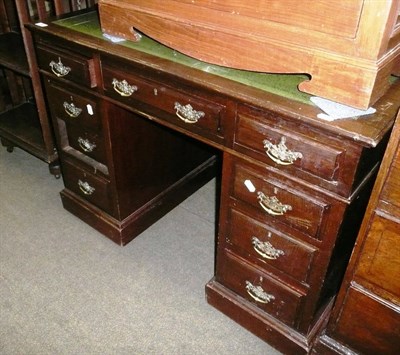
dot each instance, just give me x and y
(138, 127)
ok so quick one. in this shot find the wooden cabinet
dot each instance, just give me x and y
(288, 222)
(24, 122)
(349, 48)
(293, 187)
(366, 317)
(121, 171)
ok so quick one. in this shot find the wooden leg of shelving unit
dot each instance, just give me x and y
(55, 169)
(6, 143)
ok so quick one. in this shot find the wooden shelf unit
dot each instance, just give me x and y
(24, 122)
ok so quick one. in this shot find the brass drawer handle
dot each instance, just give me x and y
(187, 114)
(85, 187)
(266, 249)
(280, 154)
(272, 205)
(71, 109)
(86, 145)
(123, 87)
(257, 293)
(59, 69)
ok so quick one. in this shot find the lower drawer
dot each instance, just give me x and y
(258, 288)
(284, 201)
(92, 188)
(90, 143)
(267, 245)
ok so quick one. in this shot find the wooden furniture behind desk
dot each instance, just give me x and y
(294, 187)
(23, 117)
(366, 317)
(349, 48)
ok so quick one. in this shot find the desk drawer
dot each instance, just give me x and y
(87, 142)
(267, 246)
(256, 287)
(185, 110)
(284, 201)
(304, 153)
(73, 106)
(67, 65)
(90, 187)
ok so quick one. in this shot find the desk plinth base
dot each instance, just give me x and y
(275, 333)
(122, 232)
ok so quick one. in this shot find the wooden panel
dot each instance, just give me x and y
(379, 263)
(369, 325)
(391, 190)
(292, 13)
(343, 45)
(366, 316)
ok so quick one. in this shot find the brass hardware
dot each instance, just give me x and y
(280, 154)
(187, 114)
(123, 88)
(265, 249)
(272, 205)
(71, 109)
(59, 69)
(86, 145)
(257, 293)
(85, 187)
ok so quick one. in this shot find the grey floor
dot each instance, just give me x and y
(66, 289)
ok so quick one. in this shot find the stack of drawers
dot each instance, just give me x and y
(121, 171)
(76, 114)
(290, 210)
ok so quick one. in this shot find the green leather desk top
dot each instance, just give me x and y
(281, 84)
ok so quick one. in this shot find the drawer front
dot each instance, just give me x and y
(87, 142)
(90, 187)
(187, 111)
(73, 106)
(379, 262)
(69, 66)
(271, 140)
(369, 324)
(268, 246)
(284, 202)
(256, 287)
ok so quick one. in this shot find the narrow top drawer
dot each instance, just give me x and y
(296, 149)
(69, 66)
(201, 114)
